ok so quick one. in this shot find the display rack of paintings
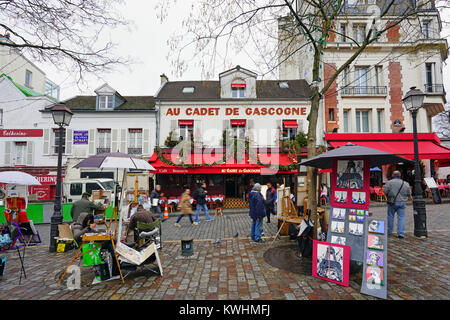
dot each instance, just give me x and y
(331, 262)
(349, 204)
(374, 280)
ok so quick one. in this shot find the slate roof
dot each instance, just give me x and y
(210, 90)
(132, 103)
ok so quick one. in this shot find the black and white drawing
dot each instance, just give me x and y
(330, 262)
(338, 240)
(356, 229)
(350, 174)
(340, 196)
(339, 213)
(376, 226)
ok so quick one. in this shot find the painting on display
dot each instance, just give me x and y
(350, 174)
(374, 258)
(331, 262)
(376, 226)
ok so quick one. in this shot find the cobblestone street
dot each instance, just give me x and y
(238, 269)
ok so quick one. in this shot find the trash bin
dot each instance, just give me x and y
(187, 246)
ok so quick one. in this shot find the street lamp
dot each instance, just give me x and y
(61, 117)
(413, 101)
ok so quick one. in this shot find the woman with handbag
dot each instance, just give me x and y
(185, 207)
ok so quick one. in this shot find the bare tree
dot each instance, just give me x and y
(278, 29)
(65, 33)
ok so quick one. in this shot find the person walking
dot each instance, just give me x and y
(270, 200)
(155, 195)
(200, 197)
(257, 212)
(397, 192)
(83, 205)
(185, 208)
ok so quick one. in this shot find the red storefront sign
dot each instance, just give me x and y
(47, 180)
(21, 132)
(42, 192)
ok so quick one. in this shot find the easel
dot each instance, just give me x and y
(288, 212)
(109, 236)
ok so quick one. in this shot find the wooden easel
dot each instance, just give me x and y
(288, 213)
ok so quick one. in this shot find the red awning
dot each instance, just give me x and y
(236, 122)
(185, 122)
(400, 144)
(290, 124)
(231, 166)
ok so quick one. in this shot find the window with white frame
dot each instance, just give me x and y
(28, 78)
(238, 88)
(362, 121)
(343, 32)
(426, 30)
(186, 132)
(346, 120)
(361, 80)
(134, 141)
(429, 74)
(380, 120)
(20, 153)
(106, 102)
(103, 141)
(56, 139)
(238, 131)
(359, 32)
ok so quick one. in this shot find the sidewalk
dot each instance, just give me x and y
(240, 269)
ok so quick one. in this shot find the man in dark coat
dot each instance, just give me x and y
(257, 212)
(83, 205)
(270, 200)
(200, 197)
(156, 194)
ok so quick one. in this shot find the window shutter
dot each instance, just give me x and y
(123, 140)
(174, 130)
(300, 126)
(114, 140)
(30, 147)
(7, 153)
(145, 143)
(91, 141)
(198, 133)
(69, 141)
(46, 141)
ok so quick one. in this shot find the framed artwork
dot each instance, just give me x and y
(356, 229)
(338, 213)
(351, 218)
(375, 242)
(374, 258)
(376, 226)
(350, 174)
(331, 262)
(360, 212)
(360, 218)
(352, 211)
(350, 183)
(337, 226)
(338, 240)
(374, 276)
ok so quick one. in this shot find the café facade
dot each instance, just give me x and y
(229, 132)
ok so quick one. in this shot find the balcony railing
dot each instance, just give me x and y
(103, 150)
(364, 91)
(435, 88)
(134, 150)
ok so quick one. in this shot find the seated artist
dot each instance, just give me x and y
(142, 216)
(85, 224)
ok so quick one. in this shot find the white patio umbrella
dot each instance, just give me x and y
(18, 178)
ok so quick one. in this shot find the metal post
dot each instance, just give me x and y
(420, 216)
(57, 217)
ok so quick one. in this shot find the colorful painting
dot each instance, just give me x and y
(356, 229)
(338, 213)
(374, 275)
(374, 242)
(337, 226)
(358, 197)
(352, 211)
(340, 196)
(359, 218)
(351, 218)
(374, 258)
(349, 174)
(360, 212)
(331, 262)
(376, 226)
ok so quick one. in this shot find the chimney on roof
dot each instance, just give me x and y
(164, 78)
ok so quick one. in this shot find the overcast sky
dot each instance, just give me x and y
(145, 42)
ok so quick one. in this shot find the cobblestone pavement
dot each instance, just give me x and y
(236, 269)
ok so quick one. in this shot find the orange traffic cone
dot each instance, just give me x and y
(166, 212)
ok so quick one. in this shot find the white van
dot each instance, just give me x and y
(73, 189)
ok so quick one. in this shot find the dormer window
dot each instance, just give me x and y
(238, 88)
(106, 102)
(188, 90)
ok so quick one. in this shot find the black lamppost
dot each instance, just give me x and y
(413, 101)
(61, 116)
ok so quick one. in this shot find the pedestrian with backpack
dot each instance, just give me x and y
(200, 196)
